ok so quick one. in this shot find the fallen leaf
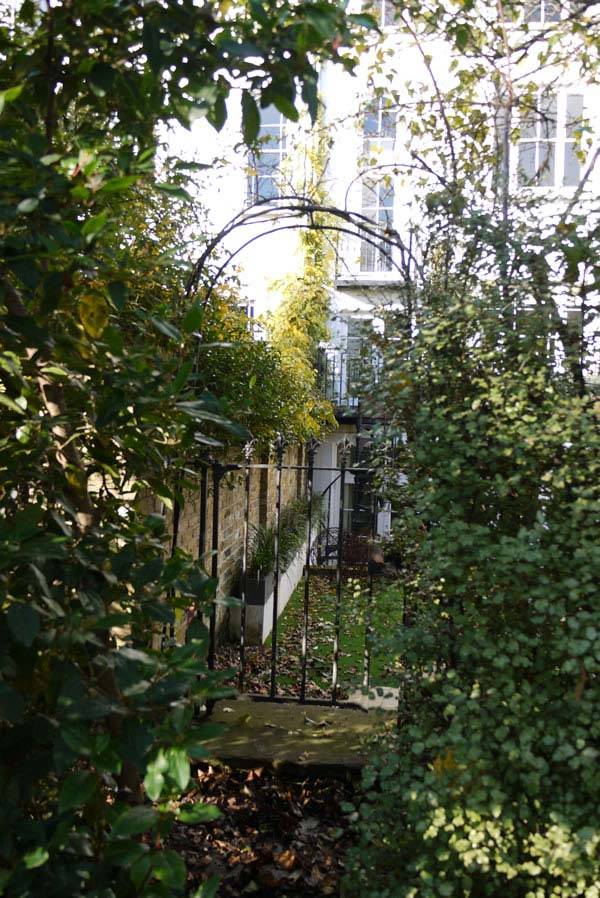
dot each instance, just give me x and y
(287, 859)
(271, 877)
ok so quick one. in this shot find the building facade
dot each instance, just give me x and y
(395, 131)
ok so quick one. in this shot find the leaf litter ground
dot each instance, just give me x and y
(278, 836)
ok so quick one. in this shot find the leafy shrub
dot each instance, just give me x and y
(491, 785)
(262, 552)
(100, 406)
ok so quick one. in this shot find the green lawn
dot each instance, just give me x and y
(384, 611)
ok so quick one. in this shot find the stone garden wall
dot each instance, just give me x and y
(231, 515)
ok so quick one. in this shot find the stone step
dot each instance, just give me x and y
(319, 738)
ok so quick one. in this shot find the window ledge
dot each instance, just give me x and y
(370, 279)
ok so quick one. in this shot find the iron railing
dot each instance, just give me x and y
(335, 546)
(343, 374)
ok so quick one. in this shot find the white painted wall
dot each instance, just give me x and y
(270, 257)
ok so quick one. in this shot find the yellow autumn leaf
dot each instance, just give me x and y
(76, 478)
(444, 763)
(93, 314)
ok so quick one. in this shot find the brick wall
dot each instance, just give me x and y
(262, 508)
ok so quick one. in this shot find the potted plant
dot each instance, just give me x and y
(261, 565)
(261, 561)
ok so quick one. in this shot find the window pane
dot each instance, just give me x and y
(546, 164)
(266, 188)
(269, 136)
(355, 338)
(371, 119)
(547, 112)
(269, 162)
(270, 116)
(529, 123)
(551, 11)
(574, 113)
(387, 13)
(386, 195)
(369, 195)
(384, 260)
(388, 120)
(532, 12)
(367, 256)
(385, 217)
(572, 171)
(526, 162)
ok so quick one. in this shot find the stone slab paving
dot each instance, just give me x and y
(321, 738)
(383, 698)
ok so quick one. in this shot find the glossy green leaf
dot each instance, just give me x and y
(9, 95)
(24, 623)
(29, 204)
(179, 766)
(169, 867)
(76, 790)
(169, 330)
(134, 821)
(36, 858)
(154, 780)
(250, 117)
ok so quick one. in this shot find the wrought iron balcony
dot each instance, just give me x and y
(346, 375)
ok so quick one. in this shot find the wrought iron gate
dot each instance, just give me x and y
(342, 541)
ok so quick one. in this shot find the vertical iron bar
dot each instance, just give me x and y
(279, 451)
(328, 528)
(338, 585)
(203, 509)
(170, 628)
(202, 538)
(309, 494)
(369, 608)
(246, 532)
(176, 519)
(217, 474)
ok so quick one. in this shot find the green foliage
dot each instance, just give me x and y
(293, 533)
(252, 379)
(299, 323)
(262, 551)
(491, 785)
(99, 408)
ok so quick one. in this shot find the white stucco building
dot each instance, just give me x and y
(372, 121)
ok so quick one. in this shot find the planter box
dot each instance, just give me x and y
(259, 615)
(258, 590)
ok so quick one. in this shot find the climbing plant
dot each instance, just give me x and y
(299, 323)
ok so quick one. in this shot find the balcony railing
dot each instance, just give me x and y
(346, 374)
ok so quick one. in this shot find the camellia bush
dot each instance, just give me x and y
(102, 402)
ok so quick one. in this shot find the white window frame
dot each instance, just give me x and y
(264, 181)
(378, 198)
(384, 137)
(549, 136)
(550, 12)
(383, 11)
